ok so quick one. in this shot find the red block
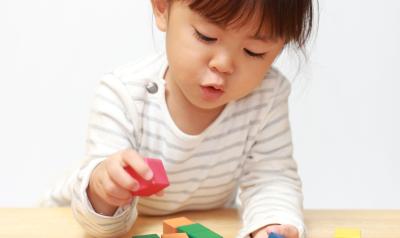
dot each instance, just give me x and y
(156, 184)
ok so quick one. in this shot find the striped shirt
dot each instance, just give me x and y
(244, 157)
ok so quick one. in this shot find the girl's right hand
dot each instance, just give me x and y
(110, 186)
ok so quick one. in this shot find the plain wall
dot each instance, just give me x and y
(345, 108)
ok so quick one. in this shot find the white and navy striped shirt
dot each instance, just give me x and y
(246, 151)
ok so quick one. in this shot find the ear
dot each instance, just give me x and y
(161, 10)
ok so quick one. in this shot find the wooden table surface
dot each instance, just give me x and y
(59, 222)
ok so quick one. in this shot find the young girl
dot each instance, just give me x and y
(211, 108)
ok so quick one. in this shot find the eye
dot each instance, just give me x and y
(255, 55)
(203, 37)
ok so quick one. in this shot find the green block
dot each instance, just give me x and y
(147, 236)
(197, 230)
(195, 227)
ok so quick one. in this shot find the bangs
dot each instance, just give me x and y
(287, 19)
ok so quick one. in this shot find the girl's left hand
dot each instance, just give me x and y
(287, 231)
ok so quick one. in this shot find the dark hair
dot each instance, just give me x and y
(291, 20)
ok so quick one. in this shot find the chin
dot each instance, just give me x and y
(209, 105)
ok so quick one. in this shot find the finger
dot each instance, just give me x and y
(289, 231)
(122, 178)
(113, 190)
(260, 234)
(137, 163)
(160, 193)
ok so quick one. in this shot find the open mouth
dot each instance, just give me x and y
(211, 93)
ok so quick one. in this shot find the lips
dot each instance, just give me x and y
(211, 93)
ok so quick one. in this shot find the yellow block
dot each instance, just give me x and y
(347, 233)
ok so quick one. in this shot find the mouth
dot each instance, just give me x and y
(211, 93)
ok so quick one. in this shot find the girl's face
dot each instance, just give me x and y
(211, 66)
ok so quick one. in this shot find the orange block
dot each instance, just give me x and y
(170, 225)
(175, 235)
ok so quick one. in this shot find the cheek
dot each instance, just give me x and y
(185, 46)
(185, 51)
(247, 79)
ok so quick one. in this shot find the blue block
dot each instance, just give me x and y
(274, 235)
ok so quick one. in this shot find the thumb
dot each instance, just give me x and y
(137, 164)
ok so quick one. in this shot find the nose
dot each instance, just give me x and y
(222, 62)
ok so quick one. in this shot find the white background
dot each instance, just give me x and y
(344, 105)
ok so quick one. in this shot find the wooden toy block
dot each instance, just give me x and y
(170, 225)
(197, 230)
(347, 233)
(274, 235)
(156, 184)
(147, 236)
(175, 235)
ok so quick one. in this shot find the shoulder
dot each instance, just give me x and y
(127, 83)
(148, 66)
(123, 90)
(131, 78)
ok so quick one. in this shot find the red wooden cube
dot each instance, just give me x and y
(156, 184)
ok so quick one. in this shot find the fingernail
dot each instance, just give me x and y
(135, 187)
(148, 175)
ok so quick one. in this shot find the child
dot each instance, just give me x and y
(211, 108)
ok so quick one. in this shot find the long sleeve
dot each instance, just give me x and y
(271, 190)
(110, 130)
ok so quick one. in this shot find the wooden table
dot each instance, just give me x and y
(59, 222)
